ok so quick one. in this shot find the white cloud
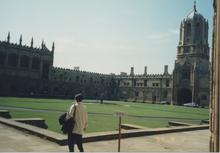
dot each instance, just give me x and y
(163, 36)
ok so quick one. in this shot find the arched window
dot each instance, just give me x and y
(45, 71)
(198, 31)
(77, 78)
(90, 80)
(188, 29)
(36, 63)
(24, 61)
(165, 94)
(145, 83)
(13, 59)
(167, 83)
(102, 81)
(186, 74)
(2, 58)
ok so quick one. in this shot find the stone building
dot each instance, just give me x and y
(22, 67)
(191, 74)
(28, 71)
(67, 82)
(147, 87)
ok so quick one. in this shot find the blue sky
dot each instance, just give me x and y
(105, 36)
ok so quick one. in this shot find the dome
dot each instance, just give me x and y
(194, 15)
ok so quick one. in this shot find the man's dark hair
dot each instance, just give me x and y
(79, 97)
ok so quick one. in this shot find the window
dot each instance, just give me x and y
(35, 63)
(188, 30)
(102, 81)
(2, 58)
(90, 80)
(165, 94)
(13, 59)
(145, 83)
(204, 97)
(186, 50)
(186, 74)
(24, 61)
(198, 31)
(134, 82)
(77, 78)
(179, 50)
(167, 83)
(155, 84)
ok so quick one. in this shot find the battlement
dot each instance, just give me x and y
(144, 76)
(31, 48)
(59, 69)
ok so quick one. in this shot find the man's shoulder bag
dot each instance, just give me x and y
(68, 124)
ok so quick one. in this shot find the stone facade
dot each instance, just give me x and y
(29, 71)
(23, 69)
(147, 87)
(191, 75)
(34, 63)
(67, 82)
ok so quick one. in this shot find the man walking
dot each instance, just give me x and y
(79, 114)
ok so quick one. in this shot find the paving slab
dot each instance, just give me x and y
(13, 140)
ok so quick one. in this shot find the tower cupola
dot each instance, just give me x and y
(193, 36)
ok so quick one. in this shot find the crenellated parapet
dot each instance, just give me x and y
(80, 77)
(19, 60)
(40, 50)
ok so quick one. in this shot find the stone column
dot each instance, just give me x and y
(215, 81)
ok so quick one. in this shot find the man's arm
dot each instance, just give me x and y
(71, 111)
(86, 120)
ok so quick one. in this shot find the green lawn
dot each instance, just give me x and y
(101, 116)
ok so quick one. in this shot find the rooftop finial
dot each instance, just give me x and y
(42, 44)
(20, 41)
(53, 46)
(195, 6)
(8, 38)
(32, 42)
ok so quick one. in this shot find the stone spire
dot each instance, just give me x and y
(32, 42)
(194, 7)
(20, 40)
(8, 38)
(165, 70)
(145, 70)
(53, 47)
(42, 44)
(132, 71)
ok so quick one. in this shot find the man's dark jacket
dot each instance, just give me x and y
(67, 124)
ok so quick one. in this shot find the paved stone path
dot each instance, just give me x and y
(13, 140)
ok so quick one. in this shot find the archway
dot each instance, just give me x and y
(184, 96)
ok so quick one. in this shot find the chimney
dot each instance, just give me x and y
(132, 71)
(165, 70)
(145, 70)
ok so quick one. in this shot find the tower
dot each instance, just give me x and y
(192, 67)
